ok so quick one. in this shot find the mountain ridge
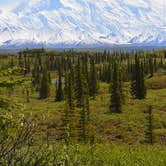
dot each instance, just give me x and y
(81, 23)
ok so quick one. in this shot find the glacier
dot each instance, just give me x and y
(83, 23)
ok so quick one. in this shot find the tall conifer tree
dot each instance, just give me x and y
(116, 90)
(45, 85)
(93, 82)
(59, 91)
(138, 88)
(79, 91)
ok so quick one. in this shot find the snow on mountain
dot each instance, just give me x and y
(81, 23)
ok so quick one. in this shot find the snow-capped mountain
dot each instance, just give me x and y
(81, 23)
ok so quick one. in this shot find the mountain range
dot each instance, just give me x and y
(83, 23)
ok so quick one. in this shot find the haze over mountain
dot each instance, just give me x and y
(82, 23)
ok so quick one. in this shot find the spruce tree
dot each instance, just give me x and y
(138, 88)
(70, 89)
(151, 69)
(116, 91)
(79, 91)
(45, 85)
(59, 91)
(93, 82)
(36, 75)
(85, 80)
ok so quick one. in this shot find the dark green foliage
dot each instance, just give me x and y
(70, 88)
(117, 97)
(36, 80)
(151, 68)
(79, 91)
(59, 91)
(36, 74)
(45, 85)
(93, 82)
(161, 64)
(138, 88)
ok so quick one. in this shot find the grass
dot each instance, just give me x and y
(128, 127)
(157, 82)
(120, 137)
(115, 155)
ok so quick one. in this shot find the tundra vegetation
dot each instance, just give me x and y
(77, 108)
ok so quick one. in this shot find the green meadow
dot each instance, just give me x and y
(111, 139)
